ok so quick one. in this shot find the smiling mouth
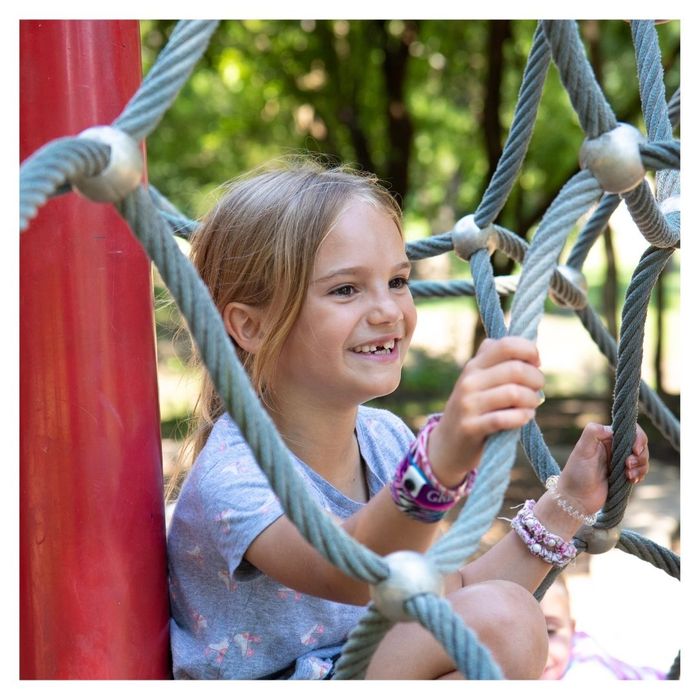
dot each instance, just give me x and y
(385, 348)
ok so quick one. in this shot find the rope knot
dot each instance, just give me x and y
(123, 172)
(410, 574)
(614, 158)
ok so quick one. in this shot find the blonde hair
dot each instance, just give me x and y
(257, 246)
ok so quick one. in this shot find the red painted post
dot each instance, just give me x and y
(93, 578)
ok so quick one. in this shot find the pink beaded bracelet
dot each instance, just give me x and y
(542, 543)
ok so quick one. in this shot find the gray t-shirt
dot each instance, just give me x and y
(228, 619)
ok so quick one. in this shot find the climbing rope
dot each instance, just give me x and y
(81, 161)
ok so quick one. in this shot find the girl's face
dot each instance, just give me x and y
(351, 338)
(560, 628)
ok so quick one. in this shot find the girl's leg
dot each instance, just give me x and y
(506, 618)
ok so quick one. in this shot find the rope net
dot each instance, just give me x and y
(57, 166)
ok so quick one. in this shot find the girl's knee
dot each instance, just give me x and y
(509, 622)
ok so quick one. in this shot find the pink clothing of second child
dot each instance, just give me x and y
(589, 661)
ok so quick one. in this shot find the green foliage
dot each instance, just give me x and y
(347, 88)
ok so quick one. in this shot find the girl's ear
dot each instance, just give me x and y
(243, 323)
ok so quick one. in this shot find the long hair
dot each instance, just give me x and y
(257, 246)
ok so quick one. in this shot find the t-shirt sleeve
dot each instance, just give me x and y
(237, 503)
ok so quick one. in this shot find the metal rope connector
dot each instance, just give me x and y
(614, 158)
(123, 172)
(599, 540)
(467, 237)
(410, 574)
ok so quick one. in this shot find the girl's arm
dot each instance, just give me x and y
(584, 484)
(497, 390)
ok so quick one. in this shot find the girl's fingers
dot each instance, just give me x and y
(495, 421)
(641, 443)
(500, 398)
(492, 352)
(509, 372)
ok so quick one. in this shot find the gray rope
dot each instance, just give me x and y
(674, 108)
(239, 398)
(649, 401)
(471, 658)
(499, 453)
(652, 90)
(658, 155)
(593, 228)
(572, 202)
(647, 550)
(161, 86)
(521, 129)
(429, 247)
(53, 165)
(422, 289)
(659, 231)
(627, 380)
(594, 112)
(361, 645)
(536, 450)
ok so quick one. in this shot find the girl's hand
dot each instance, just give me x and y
(498, 389)
(584, 479)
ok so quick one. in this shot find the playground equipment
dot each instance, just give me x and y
(109, 159)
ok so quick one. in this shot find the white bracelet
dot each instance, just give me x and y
(551, 485)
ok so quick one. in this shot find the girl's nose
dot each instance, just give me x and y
(385, 310)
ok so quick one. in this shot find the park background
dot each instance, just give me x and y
(427, 105)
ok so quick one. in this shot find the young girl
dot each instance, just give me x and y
(308, 269)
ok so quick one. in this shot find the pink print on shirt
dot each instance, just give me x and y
(244, 641)
(311, 637)
(217, 651)
(288, 593)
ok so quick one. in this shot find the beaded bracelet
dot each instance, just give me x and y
(416, 490)
(542, 543)
(551, 485)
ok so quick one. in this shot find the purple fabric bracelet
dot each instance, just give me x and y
(415, 489)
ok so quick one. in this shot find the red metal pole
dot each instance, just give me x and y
(93, 578)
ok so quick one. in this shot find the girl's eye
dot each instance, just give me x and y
(398, 282)
(346, 290)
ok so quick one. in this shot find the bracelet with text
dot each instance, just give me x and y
(415, 489)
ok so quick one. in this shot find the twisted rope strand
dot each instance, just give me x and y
(594, 112)
(521, 129)
(652, 91)
(56, 163)
(628, 378)
(168, 74)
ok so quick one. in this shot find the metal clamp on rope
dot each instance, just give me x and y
(614, 158)
(598, 540)
(467, 237)
(123, 172)
(410, 574)
(573, 295)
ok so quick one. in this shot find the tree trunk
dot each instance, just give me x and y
(660, 333)
(400, 125)
(499, 34)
